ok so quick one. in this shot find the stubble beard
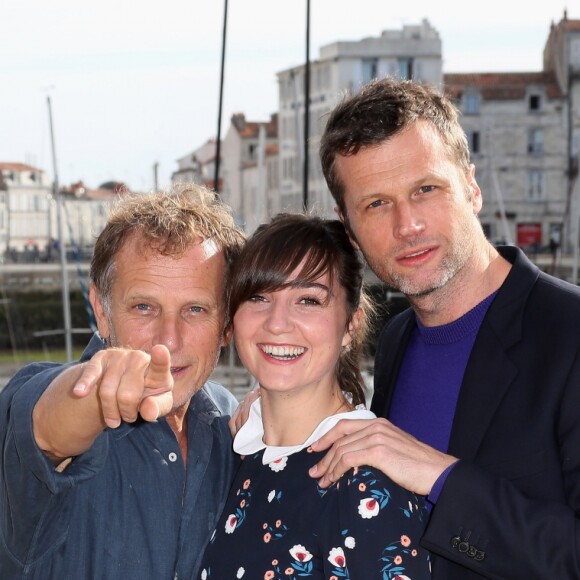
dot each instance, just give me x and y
(452, 263)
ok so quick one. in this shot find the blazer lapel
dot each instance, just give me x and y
(388, 360)
(490, 371)
(488, 375)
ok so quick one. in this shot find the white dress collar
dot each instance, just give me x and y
(249, 439)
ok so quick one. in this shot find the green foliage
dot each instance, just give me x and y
(23, 314)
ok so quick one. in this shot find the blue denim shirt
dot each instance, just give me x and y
(126, 509)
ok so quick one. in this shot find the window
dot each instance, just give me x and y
(471, 104)
(535, 185)
(535, 141)
(405, 68)
(535, 103)
(35, 203)
(473, 141)
(370, 68)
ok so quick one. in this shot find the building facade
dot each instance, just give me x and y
(523, 130)
(246, 148)
(25, 208)
(517, 132)
(198, 166)
(524, 135)
(29, 227)
(415, 51)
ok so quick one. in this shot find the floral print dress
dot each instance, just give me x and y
(279, 525)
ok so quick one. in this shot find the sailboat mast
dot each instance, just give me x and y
(62, 246)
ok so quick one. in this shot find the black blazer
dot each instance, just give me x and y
(511, 507)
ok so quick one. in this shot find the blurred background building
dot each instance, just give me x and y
(523, 129)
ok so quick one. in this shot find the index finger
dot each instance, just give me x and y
(355, 428)
(342, 428)
(158, 377)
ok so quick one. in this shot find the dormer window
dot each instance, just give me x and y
(535, 103)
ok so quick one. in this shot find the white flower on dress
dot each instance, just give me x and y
(350, 542)
(240, 572)
(300, 553)
(337, 558)
(231, 524)
(279, 464)
(271, 495)
(368, 508)
(203, 574)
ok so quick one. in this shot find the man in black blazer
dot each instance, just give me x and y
(486, 422)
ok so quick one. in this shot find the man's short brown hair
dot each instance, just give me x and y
(381, 109)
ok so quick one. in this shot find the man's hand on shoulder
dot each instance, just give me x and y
(378, 443)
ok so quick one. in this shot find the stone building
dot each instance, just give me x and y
(25, 208)
(524, 134)
(523, 129)
(29, 215)
(247, 153)
(515, 125)
(198, 166)
(415, 51)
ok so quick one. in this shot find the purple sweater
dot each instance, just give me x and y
(430, 379)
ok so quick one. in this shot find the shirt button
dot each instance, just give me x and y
(172, 457)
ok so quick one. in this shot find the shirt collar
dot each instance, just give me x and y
(250, 438)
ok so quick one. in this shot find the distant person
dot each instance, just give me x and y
(299, 320)
(118, 466)
(479, 382)
(554, 251)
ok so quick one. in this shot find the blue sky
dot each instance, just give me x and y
(134, 84)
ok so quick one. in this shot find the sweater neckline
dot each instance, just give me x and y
(466, 325)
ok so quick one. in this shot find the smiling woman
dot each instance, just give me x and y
(299, 315)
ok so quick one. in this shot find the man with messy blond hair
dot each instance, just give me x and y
(117, 466)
